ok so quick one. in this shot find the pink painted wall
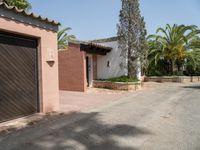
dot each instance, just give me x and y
(72, 69)
(49, 91)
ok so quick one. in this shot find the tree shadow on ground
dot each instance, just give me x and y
(197, 87)
(87, 133)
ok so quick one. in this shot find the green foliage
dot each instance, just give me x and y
(158, 69)
(20, 4)
(193, 63)
(131, 36)
(122, 79)
(191, 72)
(64, 37)
(173, 47)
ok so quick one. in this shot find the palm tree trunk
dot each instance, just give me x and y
(173, 67)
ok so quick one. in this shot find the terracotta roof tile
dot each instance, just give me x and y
(111, 39)
(16, 10)
(89, 43)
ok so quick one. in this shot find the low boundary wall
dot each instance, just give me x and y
(178, 79)
(130, 86)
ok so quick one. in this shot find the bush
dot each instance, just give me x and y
(161, 69)
(191, 72)
(121, 79)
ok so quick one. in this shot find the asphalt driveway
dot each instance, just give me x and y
(163, 118)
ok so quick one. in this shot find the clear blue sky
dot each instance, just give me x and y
(93, 19)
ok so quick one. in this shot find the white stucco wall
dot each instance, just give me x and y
(105, 72)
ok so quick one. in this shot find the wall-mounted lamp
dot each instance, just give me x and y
(50, 55)
(108, 64)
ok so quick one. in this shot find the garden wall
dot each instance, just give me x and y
(72, 69)
(118, 85)
(177, 79)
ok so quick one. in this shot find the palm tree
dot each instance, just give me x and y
(20, 4)
(172, 45)
(64, 37)
(193, 56)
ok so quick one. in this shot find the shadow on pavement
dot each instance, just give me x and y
(192, 87)
(87, 133)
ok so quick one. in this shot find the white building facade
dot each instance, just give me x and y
(110, 66)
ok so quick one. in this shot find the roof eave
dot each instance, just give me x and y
(8, 9)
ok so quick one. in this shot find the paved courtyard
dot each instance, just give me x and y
(79, 101)
(166, 117)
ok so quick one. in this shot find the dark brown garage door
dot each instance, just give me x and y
(18, 76)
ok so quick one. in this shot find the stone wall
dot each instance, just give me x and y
(177, 79)
(117, 85)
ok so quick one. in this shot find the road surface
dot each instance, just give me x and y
(164, 118)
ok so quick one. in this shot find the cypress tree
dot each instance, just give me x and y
(131, 36)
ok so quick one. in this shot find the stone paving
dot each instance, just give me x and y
(79, 101)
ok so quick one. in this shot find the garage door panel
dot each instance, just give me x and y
(23, 59)
(18, 81)
(25, 73)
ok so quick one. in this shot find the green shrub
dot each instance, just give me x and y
(191, 72)
(121, 79)
(161, 69)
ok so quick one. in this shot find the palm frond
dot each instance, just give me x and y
(64, 37)
(173, 43)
